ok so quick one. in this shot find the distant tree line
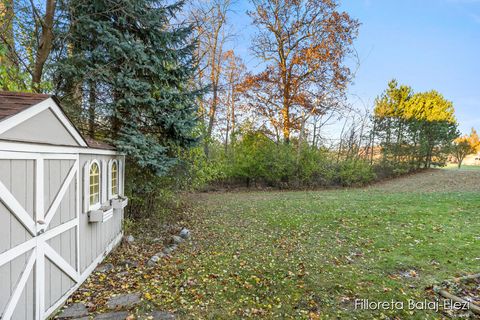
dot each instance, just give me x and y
(405, 132)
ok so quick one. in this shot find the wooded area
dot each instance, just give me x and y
(163, 83)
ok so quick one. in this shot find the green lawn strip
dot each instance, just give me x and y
(301, 254)
(462, 168)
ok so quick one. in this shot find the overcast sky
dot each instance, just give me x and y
(427, 44)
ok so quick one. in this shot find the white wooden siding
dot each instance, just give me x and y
(64, 247)
(35, 130)
(96, 236)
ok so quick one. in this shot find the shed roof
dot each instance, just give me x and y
(12, 103)
(92, 143)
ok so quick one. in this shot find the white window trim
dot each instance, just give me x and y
(97, 205)
(110, 180)
(103, 182)
(121, 177)
(86, 186)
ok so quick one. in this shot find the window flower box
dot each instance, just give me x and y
(101, 215)
(119, 203)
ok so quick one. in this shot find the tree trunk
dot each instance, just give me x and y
(6, 28)
(74, 89)
(213, 110)
(116, 117)
(300, 139)
(45, 45)
(232, 130)
(227, 130)
(286, 124)
(211, 118)
(92, 99)
(429, 157)
(372, 142)
(399, 141)
(215, 65)
(314, 135)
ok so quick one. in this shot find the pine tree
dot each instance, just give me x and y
(432, 119)
(133, 67)
(390, 120)
(415, 130)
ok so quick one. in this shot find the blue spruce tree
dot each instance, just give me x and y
(127, 70)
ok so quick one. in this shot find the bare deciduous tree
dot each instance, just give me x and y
(6, 30)
(26, 33)
(303, 44)
(210, 19)
(46, 39)
(234, 72)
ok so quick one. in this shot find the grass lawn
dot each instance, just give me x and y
(311, 254)
(463, 167)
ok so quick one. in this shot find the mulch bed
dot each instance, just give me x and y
(125, 270)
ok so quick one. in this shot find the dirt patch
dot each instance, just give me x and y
(433, 180)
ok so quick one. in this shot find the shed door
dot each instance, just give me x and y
(39, 240)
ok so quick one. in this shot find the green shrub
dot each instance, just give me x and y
(255, 159)
(355, 172)
(315, 167)
(196, 171)
(251, 159)
(148, 194)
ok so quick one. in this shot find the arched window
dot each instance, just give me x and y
(114, 178)
(94, 184)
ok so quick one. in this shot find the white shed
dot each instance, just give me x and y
(61, 205)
